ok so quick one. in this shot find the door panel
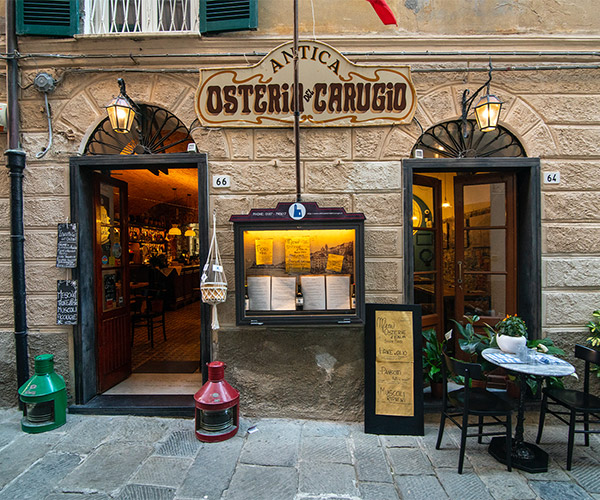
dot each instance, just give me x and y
(427, 244)
(111, 282)
(114, 362)
(485, 263)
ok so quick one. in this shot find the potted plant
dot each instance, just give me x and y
(594, 327)
(432, 362)
(473, 343)
(594, 338)
(511, 333)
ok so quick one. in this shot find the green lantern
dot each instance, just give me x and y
(44, 398)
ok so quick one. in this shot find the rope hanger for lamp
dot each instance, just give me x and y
(213, 284)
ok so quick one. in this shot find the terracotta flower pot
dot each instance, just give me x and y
(436, 390)
(478, 384)
(510, 344)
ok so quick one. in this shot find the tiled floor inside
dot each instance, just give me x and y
(172, 366)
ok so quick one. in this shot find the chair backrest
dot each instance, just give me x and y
(589, 356)
(467, 370)
(136, 305)
(156, 304)
(464, 368)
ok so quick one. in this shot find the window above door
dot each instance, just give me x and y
(446, 140)
(156, 131)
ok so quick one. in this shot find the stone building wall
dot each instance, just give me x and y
(302, 371)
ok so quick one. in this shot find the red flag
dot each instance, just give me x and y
(383, 11)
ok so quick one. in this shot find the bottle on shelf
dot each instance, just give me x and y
(299, 298)
(353, 295)
(246, 299)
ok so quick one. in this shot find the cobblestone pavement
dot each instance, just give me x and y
(151, 458)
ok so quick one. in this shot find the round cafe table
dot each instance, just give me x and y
(525, 456)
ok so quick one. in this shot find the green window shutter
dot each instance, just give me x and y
(47, 17)
(228, 15)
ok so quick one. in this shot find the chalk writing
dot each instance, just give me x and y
(66, 302)
(66, 246)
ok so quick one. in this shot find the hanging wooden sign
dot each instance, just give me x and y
(334, 91)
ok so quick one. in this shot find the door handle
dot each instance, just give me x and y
(459, 277)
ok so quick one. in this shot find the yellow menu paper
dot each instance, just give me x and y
(264, 252)
(394, 389)
(394, 363)
(394, 336)
(335, 262)
(297, 254)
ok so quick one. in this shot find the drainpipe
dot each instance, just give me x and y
(15, 162)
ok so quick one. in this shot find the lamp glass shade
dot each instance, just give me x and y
(174, 231)
(487, 112)
(121, 115)
(190, 232)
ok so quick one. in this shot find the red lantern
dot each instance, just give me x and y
(217, 407)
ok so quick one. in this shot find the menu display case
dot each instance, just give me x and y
(299, 264)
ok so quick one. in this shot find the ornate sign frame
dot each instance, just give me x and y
(334, 91)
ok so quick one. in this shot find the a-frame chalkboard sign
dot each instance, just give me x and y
(393, 370)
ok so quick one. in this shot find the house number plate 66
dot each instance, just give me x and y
(221, 181)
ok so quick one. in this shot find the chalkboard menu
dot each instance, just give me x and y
(110, 288)
(393, 370)
(66, 302)
(66, 249)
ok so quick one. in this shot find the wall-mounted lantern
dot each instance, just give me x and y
(487, 110)
(121, 111)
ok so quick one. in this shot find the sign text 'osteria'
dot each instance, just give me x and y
(332, 90)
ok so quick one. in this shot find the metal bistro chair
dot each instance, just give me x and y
(579, 405)
(458, 405)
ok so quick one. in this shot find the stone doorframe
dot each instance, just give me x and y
(84, 334)
(529, 234)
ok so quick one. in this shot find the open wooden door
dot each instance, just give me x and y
(111, 282)
(486, 246)
(427, 245)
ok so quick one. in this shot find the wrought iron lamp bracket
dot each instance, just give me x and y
(467, 101)
(129, 100)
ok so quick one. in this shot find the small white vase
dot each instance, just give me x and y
(510, 344)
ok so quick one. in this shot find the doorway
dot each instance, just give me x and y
(127, 258)
(163, 279)
(473, 241)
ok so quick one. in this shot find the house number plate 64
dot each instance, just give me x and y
(551, 177)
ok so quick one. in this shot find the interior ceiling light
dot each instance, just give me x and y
(446, 203)
(174, 231)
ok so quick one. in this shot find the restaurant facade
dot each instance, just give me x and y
(405, 199)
